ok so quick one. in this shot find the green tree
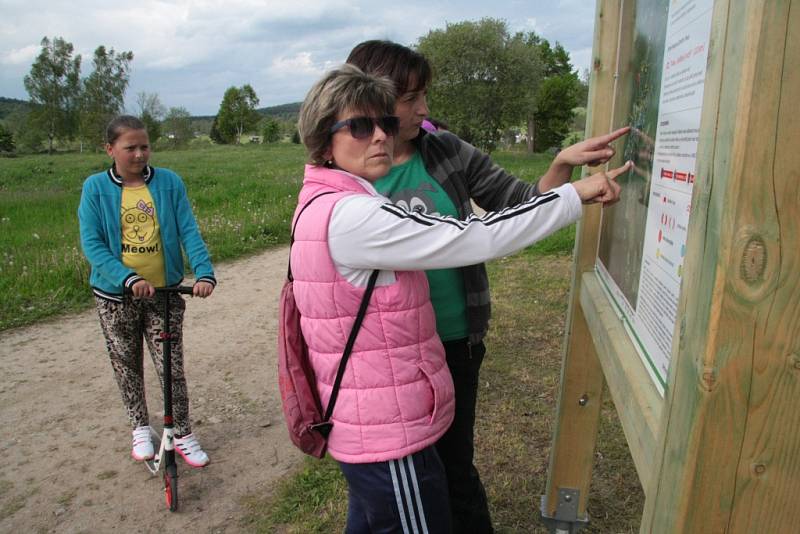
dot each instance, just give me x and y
(54, 87)
(270, 130)
(288, 127)
(524, 82)
(237, 113)
(28, 136)
(103, 95)
(202, 126)
(153, 127)
(557, 96)
(178, 127)
(215, 134)
(578, 123)
(152, 112)
(486, 80)
(583, 89)
(554, 113)
(7, 143)
(470, 64)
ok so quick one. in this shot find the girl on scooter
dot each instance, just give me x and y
(135, 222)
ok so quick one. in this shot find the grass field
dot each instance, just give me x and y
(243, 198)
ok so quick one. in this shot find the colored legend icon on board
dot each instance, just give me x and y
(677, 176)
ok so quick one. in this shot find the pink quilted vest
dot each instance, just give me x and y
(397, 395)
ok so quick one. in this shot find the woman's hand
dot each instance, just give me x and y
(143, 288)
(601, 187)
(202, 289)
(592, 152)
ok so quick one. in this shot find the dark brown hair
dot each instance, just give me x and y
(399, 63)
(119, 124)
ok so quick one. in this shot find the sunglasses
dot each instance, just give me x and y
(363, 127)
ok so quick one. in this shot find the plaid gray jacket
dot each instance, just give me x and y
(465, 173)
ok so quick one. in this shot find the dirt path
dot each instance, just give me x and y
(64, 437)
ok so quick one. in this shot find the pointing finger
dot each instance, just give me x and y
(613, 173)
(613, 136)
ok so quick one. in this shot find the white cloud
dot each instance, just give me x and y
(20, 56)
(530, 24)
(300, 64)
(190, 51)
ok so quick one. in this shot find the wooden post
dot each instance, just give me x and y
(579, 403)
(720, 452)
(636, 399)
(729, 455)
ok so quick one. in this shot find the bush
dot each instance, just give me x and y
(30, 140)
(201, 142)
(7, 144)
(271, 130)
(571, 139)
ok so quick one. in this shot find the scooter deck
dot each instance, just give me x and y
(151, 463)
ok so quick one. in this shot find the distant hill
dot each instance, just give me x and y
(286, 112)
(10, 105)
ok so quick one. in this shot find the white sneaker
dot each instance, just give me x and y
(142, 444)
(189, 448)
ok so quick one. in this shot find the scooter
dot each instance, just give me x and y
(165, 443)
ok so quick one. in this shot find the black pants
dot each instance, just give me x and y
(468, 502)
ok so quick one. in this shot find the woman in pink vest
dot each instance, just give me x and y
(396, 398)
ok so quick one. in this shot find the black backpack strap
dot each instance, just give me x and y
(325, 427)
(294, 226)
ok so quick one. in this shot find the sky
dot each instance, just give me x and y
(190, 51)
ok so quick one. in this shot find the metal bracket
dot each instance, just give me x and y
(566, 520)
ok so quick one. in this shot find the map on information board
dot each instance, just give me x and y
(643, 237)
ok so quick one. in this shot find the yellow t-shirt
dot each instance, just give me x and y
(142, 250)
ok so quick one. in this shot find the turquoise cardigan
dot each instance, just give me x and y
(101, 234)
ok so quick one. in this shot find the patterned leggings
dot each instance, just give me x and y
(124, 326)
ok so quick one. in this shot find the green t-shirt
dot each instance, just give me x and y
(409, 185)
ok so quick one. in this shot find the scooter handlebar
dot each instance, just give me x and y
(185, 290)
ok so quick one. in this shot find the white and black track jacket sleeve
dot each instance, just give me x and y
(368, 232)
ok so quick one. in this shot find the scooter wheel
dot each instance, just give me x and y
(171, 491)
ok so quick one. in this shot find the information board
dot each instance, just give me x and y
(643, 238)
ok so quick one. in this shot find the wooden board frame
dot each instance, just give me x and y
(720, 452)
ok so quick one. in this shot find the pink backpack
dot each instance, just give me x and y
(308, 426)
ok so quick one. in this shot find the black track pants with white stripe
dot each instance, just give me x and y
(407, 496)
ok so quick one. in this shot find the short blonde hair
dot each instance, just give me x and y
(343, 88)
